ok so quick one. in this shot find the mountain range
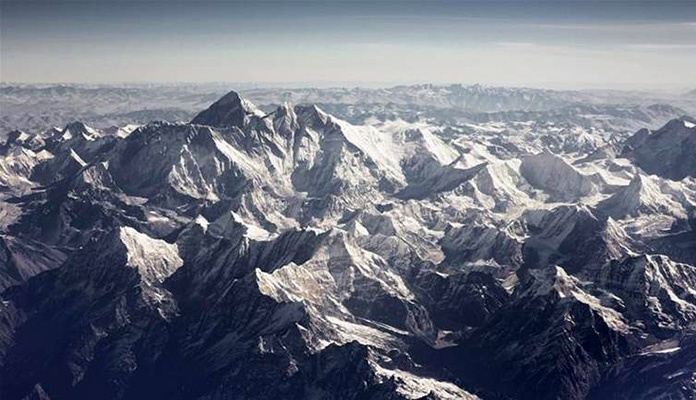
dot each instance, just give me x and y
(389, 252)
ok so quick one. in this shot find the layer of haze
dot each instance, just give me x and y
(612, 44)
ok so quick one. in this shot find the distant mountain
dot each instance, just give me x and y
(35, 108)
(102, 106)
(668, 151)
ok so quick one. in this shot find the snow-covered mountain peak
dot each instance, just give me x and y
(232, 110)
(668, 151)
(285, 120)
(654, 285)
(552, 174)
(78, 130)
(16, 166)
(312, 115)
(231, 225)
(678, 127)
(155, 259)
(550, 279)
(643, 195)
(555, 281)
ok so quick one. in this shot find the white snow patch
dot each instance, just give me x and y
(413, 386)
(155, 259)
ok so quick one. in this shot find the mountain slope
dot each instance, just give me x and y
(668, 151)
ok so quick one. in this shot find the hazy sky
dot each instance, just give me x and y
(563, 43)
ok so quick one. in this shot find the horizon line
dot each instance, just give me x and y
(375, 85)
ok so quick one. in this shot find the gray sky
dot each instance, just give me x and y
(563, 43)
